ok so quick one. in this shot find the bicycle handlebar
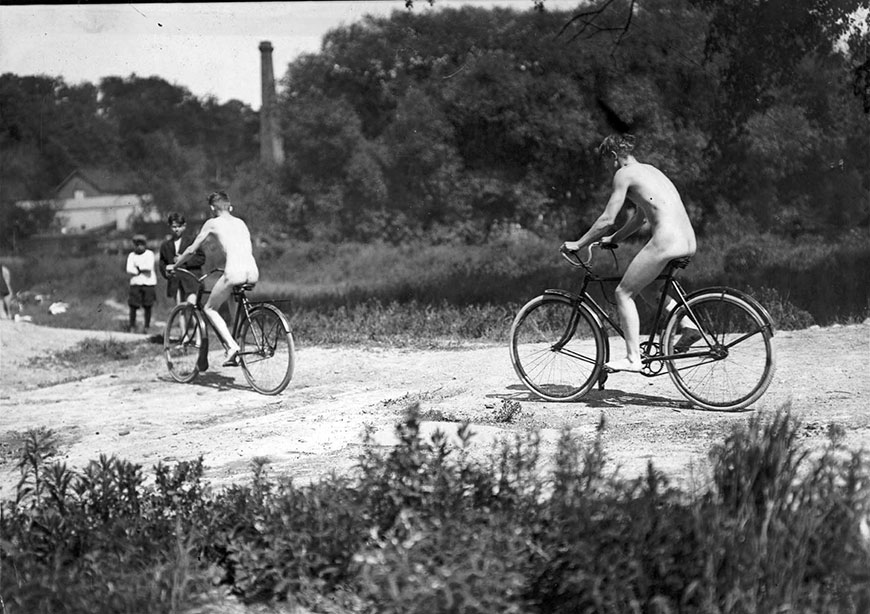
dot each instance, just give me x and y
(575, 261)
(199, 279)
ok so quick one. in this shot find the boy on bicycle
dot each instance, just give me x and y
(234, 238)
(657, 202)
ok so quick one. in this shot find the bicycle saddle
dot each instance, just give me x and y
(680, 263)
(245, 287)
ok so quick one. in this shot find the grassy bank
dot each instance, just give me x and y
(422, 527)
(357, 293)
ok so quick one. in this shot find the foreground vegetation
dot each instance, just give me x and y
(423, 527)
(377, 293)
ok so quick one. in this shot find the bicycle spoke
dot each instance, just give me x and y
(267, 351)
(556, 349)
(744, 337)
(183, 343)
(737, 367)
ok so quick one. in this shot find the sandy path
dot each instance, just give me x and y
(316, 425)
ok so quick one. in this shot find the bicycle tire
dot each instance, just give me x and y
(184, 342)
(267, 352)
(557, 347)
(736, 367)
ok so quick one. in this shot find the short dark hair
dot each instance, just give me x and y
(218, 197)
(619, 144)
(176, 218)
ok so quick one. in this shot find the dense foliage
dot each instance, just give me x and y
(450, 124)
(427, 527)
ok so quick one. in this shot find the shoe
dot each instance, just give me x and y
(232, 359)
(689, 337)
(623, 364)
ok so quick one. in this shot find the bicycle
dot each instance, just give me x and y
(559, 347)
(266, 350)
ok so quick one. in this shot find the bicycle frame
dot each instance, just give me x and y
(243, 305)
(261, 330)
(671, 285)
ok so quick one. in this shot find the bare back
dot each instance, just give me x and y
(235, 239)
(656, 195)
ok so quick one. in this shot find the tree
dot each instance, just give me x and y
(19, 222)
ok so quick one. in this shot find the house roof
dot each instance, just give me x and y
(104, 180)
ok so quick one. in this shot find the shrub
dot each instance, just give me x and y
(425, 527)
(785, 314)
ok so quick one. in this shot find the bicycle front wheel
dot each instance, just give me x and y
(733, 363)
(266, 350)
(557, 347)
(183, 342)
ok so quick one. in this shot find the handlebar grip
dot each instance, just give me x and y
(607, 245)
(572, 257)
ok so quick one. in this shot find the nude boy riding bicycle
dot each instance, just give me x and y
(235, 239)
(657, 202)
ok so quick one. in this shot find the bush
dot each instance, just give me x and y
(424, 527)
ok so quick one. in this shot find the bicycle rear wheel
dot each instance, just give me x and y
(183, 342)
(266, 350)
(557, 347)
(733, 364)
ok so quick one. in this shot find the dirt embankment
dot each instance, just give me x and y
(316, 425)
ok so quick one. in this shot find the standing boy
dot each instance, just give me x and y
(233, 236)
(180, 287)
(143, 281)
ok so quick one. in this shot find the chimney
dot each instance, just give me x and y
(271, 145)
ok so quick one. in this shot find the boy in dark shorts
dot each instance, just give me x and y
(180, 287)
(143, 281)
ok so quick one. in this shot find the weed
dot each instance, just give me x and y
(446, 295)
(426, 527)
(507, 412)
(97, 355)
(785, 315)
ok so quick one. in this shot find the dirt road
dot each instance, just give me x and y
(316, 425)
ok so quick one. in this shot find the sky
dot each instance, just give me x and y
(209, 48)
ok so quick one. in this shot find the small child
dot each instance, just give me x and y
(143, 281)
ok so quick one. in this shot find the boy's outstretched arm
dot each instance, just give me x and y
(193, 247)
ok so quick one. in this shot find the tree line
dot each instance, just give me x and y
(449, 125)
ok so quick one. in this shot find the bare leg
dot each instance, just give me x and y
(219, 294)
(642, 271)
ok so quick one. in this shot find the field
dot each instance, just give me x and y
(411, 295)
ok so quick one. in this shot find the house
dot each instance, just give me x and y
(95, 199)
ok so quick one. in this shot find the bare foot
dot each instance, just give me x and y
(232, 359)
(623, 364)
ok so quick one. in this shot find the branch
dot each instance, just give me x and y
(588, 20)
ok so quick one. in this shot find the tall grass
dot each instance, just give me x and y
(425, 526)
(349, 293)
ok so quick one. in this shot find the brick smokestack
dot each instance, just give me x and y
(271, 143)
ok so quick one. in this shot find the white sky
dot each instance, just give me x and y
(209, 48)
